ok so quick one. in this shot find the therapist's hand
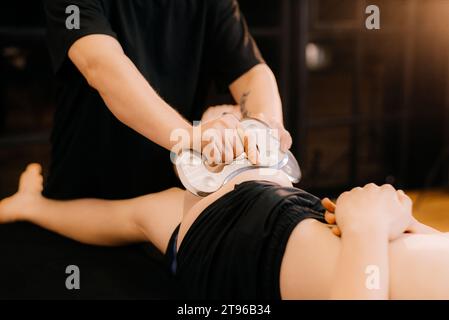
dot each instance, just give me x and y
(220, 118)
(220, 139)
(215, 112)
(221, 114)
(284, 136)
(223, 140)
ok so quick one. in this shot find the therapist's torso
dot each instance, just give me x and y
(173, 44)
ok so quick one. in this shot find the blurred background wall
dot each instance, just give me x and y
(362, 105)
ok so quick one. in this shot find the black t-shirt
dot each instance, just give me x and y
(179, 46)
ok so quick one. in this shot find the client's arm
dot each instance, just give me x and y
(368, 218)
(416, 226)
(97, 222)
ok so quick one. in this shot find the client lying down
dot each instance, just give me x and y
(258, 237)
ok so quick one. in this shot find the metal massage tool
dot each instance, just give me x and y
(201, 179)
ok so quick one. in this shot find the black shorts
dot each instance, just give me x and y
(235, 248)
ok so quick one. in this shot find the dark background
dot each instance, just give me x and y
(374, 111)
(374, 108)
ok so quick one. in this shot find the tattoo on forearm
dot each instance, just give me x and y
(243, 100)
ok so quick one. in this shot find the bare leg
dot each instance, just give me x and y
(99, 222)
(419, 264)
(29, 191)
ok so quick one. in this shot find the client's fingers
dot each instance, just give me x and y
(336, 230)
(329, 217)
(328, 205)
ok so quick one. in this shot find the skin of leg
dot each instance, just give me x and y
(158, 217)
(419, 264)
(98, 222)
(110, 223)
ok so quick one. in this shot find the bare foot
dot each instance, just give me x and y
(30, 191)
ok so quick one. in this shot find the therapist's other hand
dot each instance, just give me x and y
(284, 136)
(215, 112)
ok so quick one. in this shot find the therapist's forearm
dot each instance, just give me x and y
(126, 92)
(257, 93)
(135, 103)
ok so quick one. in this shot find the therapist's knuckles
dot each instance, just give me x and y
(220, 139)
(231, 141)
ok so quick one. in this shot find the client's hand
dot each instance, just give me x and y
(374, 208)
(329, 215)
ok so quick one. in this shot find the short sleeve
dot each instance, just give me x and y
(235, 51)
(92, 20)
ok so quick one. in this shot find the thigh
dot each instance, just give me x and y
(309, 260)
(158, 215)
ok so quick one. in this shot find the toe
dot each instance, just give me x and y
(35, 168)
